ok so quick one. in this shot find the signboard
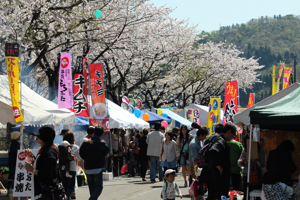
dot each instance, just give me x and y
(80, 107)
(230, 102)
(12, 67)
(23, 182)
(213, 117)
(193, 115)
(65, 91)
(100, 122)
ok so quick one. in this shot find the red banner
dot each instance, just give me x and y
(81, 106)
(251, 100)
(99, 109)
(231, 101)
(100, 122)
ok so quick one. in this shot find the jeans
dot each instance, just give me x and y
(95, 182)
(69, 183)
(154, 164)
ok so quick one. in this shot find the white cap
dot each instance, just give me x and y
(169, 171)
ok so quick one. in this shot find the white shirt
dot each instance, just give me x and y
(169, 153)
(154, 141)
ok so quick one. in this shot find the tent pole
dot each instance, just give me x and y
(118, 153)
(249, 157)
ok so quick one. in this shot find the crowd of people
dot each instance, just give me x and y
(164, 153)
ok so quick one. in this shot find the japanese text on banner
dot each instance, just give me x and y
(65, 92)
(230, 101)
(213, 117)
(80, 106)
(12, 67)
(286, 77)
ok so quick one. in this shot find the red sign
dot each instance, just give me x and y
(251, 100)
(100, 122)
(80, 106)
(231, 101)
(22, 156)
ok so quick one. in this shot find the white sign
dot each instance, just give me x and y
(23, 183)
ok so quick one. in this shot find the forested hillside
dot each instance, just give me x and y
(271, 39)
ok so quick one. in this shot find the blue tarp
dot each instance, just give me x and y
(178, 119)
(154, 117)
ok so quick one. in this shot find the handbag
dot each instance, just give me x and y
(137, 151)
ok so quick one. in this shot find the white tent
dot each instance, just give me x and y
(203, 112)
(118, 117)
(244, 115)
(177, 118)
(36, 109)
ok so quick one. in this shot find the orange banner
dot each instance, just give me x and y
(230, 101)
(12, 67)
(99, 109)
(251, 100)
(286, 77)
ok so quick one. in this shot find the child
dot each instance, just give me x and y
(131, 159)
(169, 186)
(65, 157)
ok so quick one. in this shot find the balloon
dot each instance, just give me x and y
(164, 124)
(125, 99)
(131, 109)
(146, 117)
(137, 113)
(159, 111)
(98, 13)
(132, 102)
(124, 105)
(170, 108)
(138, 103)
(165, 115)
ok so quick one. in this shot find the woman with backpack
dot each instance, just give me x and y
(69, 181)
(182, 152)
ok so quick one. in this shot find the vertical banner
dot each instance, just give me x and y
(65, 92)
(213, 117)
(251, 100)
(12, 67)
(99, 113)
(230, 102)
(273, 80)
(23, 182)
(286, 77)
(80, 107)
(279, 76)
(193, 115)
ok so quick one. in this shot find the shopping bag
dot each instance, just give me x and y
(124, 168)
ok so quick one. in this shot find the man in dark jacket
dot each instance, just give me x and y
(93, 156)
(12, 157)
(219, 162)
(280, 162)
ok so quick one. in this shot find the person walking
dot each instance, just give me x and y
(69, 182)
(182, 152)
(143, 154)
(168, 152)
(154, 141)
(93, 156)
(44, 167)
(218, 163)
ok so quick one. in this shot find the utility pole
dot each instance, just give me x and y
(295, 74)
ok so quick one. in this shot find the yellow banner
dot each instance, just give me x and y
(12, 67)
(273, 80)
(213, 117)
(286, 77)
(279, 76)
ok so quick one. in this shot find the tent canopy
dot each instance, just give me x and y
(203, 112)
(244, 115)
(283, 114)
(36, 109)
(154, 117)
(177, 118)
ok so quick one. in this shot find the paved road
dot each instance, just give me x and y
(131, 188)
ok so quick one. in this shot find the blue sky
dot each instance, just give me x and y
(211, 14)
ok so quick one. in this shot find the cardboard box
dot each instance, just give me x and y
(108, 176)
